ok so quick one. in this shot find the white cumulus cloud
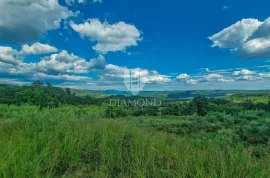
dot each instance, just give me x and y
(246, 77)
(114, 72)
(64, 62)
(255, 48)
(115, 37)
(60, 77)
(72, 2)
(211, 77)
(191, 81)
(187, 79)
(248, 38)
(243, 72)
(38, 48)
(225, 80)
(183, 76)
(234, 35)
(62, 66)
(264, 75)
(25, 21)
(9, 55)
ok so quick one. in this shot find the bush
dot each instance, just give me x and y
(256, 132)
(252, 114)
(115, 112)
(227, 137)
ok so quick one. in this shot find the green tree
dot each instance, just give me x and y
(68, 91)
(189, 108)
(37, 84)
(202, 105)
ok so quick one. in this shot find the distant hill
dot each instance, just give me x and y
(189, 94)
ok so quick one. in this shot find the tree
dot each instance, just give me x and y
(172, 109)
(68, 91)
(48, 84)
(37, 84)
(248, 104)
(202, 105)
(189, 108)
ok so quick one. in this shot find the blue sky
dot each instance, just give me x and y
(172, 45)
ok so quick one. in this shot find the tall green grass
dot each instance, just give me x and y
(76, 142)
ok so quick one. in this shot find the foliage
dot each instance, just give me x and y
(74, 141)
(47, 96)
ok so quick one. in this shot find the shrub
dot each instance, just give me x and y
(256, 132)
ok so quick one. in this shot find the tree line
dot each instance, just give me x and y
(42, 96)
(46, 95)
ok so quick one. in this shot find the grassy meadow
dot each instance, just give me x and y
(79, 141)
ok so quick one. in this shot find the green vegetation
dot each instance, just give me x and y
(52, 132)
(76, 142)
(262, 97)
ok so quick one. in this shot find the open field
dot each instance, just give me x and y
(72, 141)
(134, 89)
(47, 131)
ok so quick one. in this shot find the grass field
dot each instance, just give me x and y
(77, 142)
(255, 99)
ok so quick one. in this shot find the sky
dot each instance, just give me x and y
(170, 44)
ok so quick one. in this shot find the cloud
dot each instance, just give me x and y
(246, 77)
(100, 1)
(61, 77)
(255, 48)
(10, 81)
(64, 62)
(183, 76)
(243, 72)
(236, 34)
(98, 63)
(262, 31)
(114, 72)
(187, 79)
(191, 81)
(62, 66)
(9, 55)
(264, 75)
(73, 2)
(248, 38)
(26, 21)
(157, 78)
(211, 77)
(109, 38)
(69, 70)
(225, 80)
(38, 48)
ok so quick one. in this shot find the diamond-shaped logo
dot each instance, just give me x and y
(133, 81)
